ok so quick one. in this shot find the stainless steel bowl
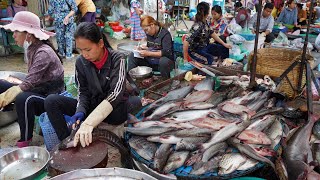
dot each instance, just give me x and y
(9, 115)
(104, 173)
(127, 47)
(140, 72)
(24, 163)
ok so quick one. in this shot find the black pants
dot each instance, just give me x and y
(28, 105)
(56, 106)
(165, 64)
(269, 38)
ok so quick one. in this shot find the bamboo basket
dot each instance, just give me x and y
(274, 61)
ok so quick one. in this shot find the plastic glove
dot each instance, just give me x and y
(9, 95)
(84, 134)
(78, 116)
(263, 34)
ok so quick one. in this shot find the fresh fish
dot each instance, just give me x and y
(316, 130)
(206, 167)
(249, 151)
(216, 115)
(254, 137)
(206, 84)
(275, 133)
(226, 132)
(271, 103)
(316, 153)
(233, 78)
(262, 124)
(146, 124)
(156, 130)
(199, 96)
(191, 132)
(231, 162)
(271, 111)
(262, 150)
(176, 160)
(143, 147)
(210, 123)
(236, 91)
(170, 139)
(258, 104)
(196, 105)
(163, 110)
(213, 150)
(226, 82)
(195, 157)
(235, 109)
(298, 150)
(217, 98)
(161, 156)
(174, 95)
(185, 116)
(248, 164)
(184, 144)
(246, 99)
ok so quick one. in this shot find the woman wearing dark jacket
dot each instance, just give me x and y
(45, 73)
(102, 96)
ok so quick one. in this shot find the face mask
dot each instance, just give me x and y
(26, 44)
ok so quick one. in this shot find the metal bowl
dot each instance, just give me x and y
(127, 47)
(140, 72)
(24, 163)
(9, 115)
(104, 173)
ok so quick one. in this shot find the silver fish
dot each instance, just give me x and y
(184, 144)
(217, 98)
(195, 157)
(244, 100)
(161, 156)
(163, 110)
(170, 139)
(185, 116)
(155, 130)
(267, 111)
(146, 124)
(213, 150)
(214, 124)
(248, 164)
(275, 133)
(258, 104)
(190, 132)
(199, 96)
(206, 84)
(206, 167)
(231, 162)
(143, 147)
(261, 124)
(196, 105)
(176, 160)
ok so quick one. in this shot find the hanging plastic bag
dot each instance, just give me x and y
(233, 27)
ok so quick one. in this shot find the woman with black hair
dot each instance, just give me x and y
(219, 23)
(102, 95)
(45, 73)
(197, 44)
(15, 7)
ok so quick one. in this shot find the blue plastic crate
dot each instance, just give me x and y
(178, 47)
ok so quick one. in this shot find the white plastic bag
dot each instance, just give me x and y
(317, 43)
(237, 39)
(233, 27)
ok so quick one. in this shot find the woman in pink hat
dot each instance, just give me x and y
(45, 73)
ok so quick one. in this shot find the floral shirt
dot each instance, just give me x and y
(219, 26)
(200, 35)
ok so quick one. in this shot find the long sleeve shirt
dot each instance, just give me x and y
(266, 23)
(288, 16)
(200, 35)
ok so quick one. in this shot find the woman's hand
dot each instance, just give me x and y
(66, 20)
(144, 53)
(229, 46)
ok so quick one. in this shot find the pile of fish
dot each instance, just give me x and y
(212, 132)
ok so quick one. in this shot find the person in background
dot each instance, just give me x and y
(135, 12)
(197, 44)
(102, 96)
(266, 23)
(219, 23)
(87, 10)
(63, 13)
(243, 14)
(302, 14)
(15, 7)
(159, 50)
(277, 10)
(45, 73)
(289, 15)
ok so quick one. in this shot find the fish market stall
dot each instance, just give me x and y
(206, 128)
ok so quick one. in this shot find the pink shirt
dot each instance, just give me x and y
(11, 13)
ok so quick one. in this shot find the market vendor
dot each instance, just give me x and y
(158, 53)
(45, 73)
(102, 95)
(266, 23)
(15, 7)
(302, 14)
(289, 15)
(87, 10)
(219, 23)
(197, 45)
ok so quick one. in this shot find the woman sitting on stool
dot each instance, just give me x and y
(159, 50)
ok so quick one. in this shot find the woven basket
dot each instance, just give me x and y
(274, 61)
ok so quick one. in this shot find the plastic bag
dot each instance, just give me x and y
(317, 43)
(299, 43)
(282, 39)
(235, 50)
(233, 27)
(237, 39)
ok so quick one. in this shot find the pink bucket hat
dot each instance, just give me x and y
(29, 22)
